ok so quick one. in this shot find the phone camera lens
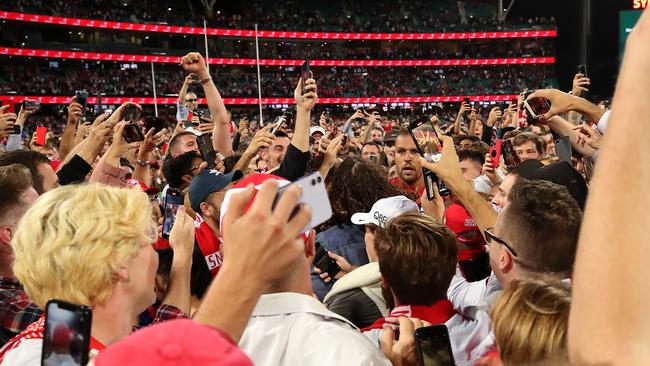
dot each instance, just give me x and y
(313, 182)
(319, 179)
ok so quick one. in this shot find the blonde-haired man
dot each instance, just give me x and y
(91, 245)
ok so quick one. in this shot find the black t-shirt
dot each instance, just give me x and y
(294, 165)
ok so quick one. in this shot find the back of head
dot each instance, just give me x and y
(530, 322)
(417, 257)
(15, 180)
(175, 168)
(30, 159)
(71, 242)
(542, 222)
(355, 186)
(471, 154)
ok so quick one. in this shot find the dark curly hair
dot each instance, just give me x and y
(355, 186)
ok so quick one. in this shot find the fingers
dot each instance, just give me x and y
(238, 202)
(299, 221)
(334, 256)
(406, 330)
(386, 341)
(287, 203)
(119, 129)
(101, 118)
(264, 200)
(149, 134)
(2, 108)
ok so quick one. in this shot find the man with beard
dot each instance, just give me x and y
(409, 171)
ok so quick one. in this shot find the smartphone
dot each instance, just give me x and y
(328, 115)
(31, 105)
(207, 149)
(66, 339)
(563, 149)
(314, 195)
(426, 139)
(82, 98)
(323, 261)
(305, 73)
(131, 113)
(278, 123)
(433, 346)
(509, 156)
(100, 107)
(537, 106)
(41, 135)
(11, 108)
(495, 153)
(132, 133)
(173, 199)
(582, 69)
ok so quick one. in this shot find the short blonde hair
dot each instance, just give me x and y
(530, 322)
(70, 243)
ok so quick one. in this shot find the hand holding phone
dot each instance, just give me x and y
(495, 153)
(66, 338)
(314, 195)
(324, 263)
(41, 135)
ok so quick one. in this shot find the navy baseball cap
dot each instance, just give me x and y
(207, 182)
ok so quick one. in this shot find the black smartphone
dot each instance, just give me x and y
(328, 115)
(66, 340)
(433, 346)
(173, 199)
(100, 107)
(31, 105)
(305, 73)
(509, 156)
(207, 149)
(323, 261)
(563, 149)
(582, 69)
(131, 113)
(428, 143)
(82, 98)
(132, 133)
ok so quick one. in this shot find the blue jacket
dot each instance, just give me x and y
(345, 240)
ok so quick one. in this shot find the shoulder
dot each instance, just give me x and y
(27, 353)
(352, 347)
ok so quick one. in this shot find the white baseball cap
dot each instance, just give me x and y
(315, 129)
(385, 209)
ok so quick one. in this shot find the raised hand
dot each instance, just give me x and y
(308, 100)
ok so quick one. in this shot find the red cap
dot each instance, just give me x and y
(458, 219)
(138, 183)
(181, 342)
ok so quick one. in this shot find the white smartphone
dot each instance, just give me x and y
(314, 194)
(279, 121)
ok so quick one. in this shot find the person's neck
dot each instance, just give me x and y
(212, 224)
(297, 282)
(113, 320)
(6, 259)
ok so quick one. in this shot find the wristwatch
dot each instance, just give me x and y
(143, 162)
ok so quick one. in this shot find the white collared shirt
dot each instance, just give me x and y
(295, 329)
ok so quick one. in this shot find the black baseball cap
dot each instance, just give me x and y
(561, 173)
(207, 182)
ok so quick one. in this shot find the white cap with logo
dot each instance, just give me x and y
(385, 209)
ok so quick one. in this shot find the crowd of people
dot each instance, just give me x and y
(323, 235)
(38, 78)
(400, 16)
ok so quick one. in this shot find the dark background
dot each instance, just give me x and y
(602, 46)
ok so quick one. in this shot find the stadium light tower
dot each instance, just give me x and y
(503, 12)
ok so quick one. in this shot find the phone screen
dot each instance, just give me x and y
(132, 133)
(427, 141)
(323, 261)
(82, 98)
(537, 106)
(173, 199)
(433, 346)
(67, 334)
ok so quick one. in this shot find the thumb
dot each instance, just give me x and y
(386, 341)
(335, 256)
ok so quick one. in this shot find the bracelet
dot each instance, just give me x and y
(143, 162)
(204, 81)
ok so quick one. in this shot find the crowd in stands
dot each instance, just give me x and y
(358, 16)
(37, 78)
(500, 234)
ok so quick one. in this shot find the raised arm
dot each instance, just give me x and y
(304, 104)
(612, 251)
(194, 62)
(67, 138)
(448, 169)
(464, 108)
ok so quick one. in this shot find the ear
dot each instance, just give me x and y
(506, 261)
(384, 283)
(310, 247)
(6, 234)
(122, 273)
(205, 209)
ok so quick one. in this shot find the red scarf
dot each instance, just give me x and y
(209, 244)
(438, 313)
(36, 331)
